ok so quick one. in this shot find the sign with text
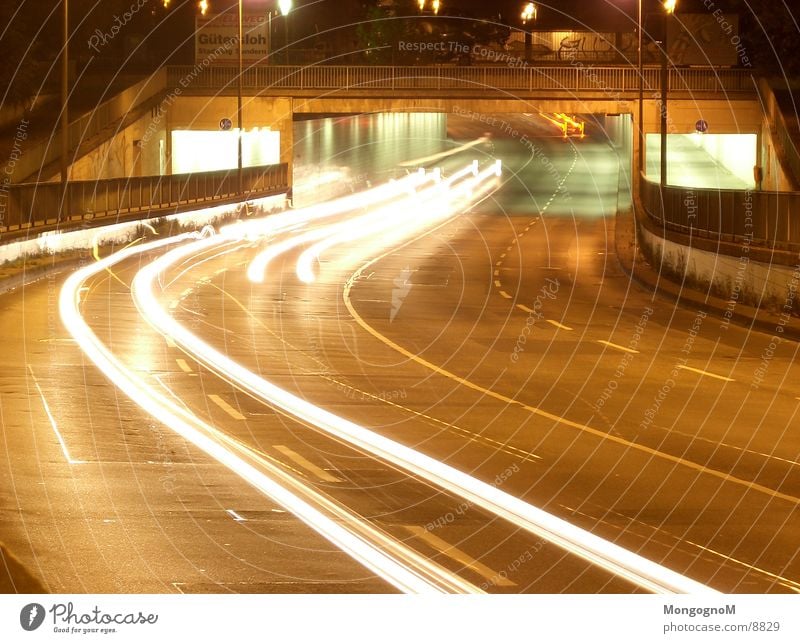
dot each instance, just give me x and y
(216, 39)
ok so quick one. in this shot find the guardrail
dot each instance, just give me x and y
(770, 219)
(33, 205)
(566, 77)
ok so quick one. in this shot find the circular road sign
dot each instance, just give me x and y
(701, 126)
(225, 124)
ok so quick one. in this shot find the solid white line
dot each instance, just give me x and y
(236, 516)
(503, 293)
(183, 365)
(53, 424)
(460, 556)
(700, 372)
(618, 347)
(558, 325)
(306, 464)
(216, 399)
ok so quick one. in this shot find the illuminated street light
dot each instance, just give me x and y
(529, 13)
(669, 9)
(203, 5)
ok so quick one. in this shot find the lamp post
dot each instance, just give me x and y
(64, 209)
(529, 13)
(239, 108)
(669, 9)
(285, 6)
(640, 64)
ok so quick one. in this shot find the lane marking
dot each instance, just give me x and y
(701, 372)
(460, 556)
(53, 424)
(557, 324)
(236, 516)
(496, 273)
(694, 466)
(216, 399)
(183, 365)
(306, 464)
(618, 347)
(524, 308)
(497, 284)
(503, 293)
(503, 256)
(171, 342)
(790, 584)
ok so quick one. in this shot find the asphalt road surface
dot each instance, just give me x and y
(506, 342)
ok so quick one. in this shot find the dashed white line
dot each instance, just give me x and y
(460, 556)
(306, 464)
(53, 424)
(558, 324)
(496, 273)
(216, 399)
(524, 308)
(706, 373)
(236, 516)
(497, 284)
(618, 347)
(183, 365)
(503, 293)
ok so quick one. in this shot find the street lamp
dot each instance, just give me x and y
(285, 6)
(669, 9)
(529, 13)
(64, 209)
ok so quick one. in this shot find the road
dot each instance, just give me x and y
(505, 341)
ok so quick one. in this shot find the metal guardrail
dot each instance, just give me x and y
(566, 77)
(770, 219)
(32, 205)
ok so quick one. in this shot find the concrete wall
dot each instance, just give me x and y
(737, 279)
(134, 151)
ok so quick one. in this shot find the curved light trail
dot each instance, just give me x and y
(388, 558)
(609, 556)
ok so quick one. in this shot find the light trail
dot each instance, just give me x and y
(402, 567)
(423, 208)
(607, 555)
(296, 218)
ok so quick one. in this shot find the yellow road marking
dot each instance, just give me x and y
(721, 475)
(460, 556)
(306, 464)
(618, 347)
(700, 372)
(558, 325)
(216, 399)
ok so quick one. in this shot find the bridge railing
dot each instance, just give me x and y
(565, 77)
(770, 219)
(32, 205)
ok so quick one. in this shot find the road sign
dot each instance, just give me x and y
(701, 126)
(225, 124)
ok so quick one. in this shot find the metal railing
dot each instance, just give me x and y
(566, 77)
(32, 205)
(770, 219)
